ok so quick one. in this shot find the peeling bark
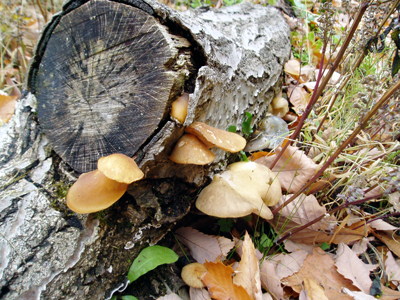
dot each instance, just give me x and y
(234, 64)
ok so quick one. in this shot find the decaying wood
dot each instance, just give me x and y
(228, 60)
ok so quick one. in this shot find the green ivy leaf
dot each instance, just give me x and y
(246, 125)
(325, 246)
(225, 225)
(128, 297)
(149, 259)
(232, 128)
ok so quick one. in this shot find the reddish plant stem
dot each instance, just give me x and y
(363, 123)
(318, 91)
(322, 216)
(377, 218)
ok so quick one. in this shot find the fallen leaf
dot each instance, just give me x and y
(305, 209)
(291, 246)
(199, 294)
(7, 107)
(314, 291)
(204, 247)
(288, 264)
(390, 240)
(358, 295)
(320, 267)
(248, 272)
(299, 98)
(293, 168)
(351, 267)
(389, 294)
(392, 268)
(218, 280)
(270, 280)
(266, 296)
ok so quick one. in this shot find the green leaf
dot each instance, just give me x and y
(128, 297)
(225, 225)
(325, 246)
(232, 128)
(246, 125)
(243, 156)
(149, 259)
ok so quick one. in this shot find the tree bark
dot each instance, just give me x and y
(228, 60)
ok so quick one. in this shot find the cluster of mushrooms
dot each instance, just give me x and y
(244, 188)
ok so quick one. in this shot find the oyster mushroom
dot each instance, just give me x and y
(189, 150)
(214, 137)
(179, 107)
(101, 188)
(244, 188)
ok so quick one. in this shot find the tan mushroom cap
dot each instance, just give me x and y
(93, 192)
(179, 107)
(214, 137)
(244, 188)
(192, 273)
(120, 167)
(189, 150)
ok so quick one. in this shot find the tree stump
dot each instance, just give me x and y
(102, 81)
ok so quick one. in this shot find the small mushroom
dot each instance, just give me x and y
(179, 107)
(93, 192)
(189, 150)
(279, 106)
(192, 273)
(214, 137)
(101, 188)
(120, 167)
(244, 188)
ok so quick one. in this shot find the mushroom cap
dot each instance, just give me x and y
(120, 167)
(214, 137)
(93, 192)
(179, 107)
(189, 150)
(192, 273)
(263, 182)
(244, 188)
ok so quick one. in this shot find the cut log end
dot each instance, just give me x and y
(104, 82)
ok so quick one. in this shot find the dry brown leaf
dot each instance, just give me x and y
(218, 280)
(7, 107)
(389, 239)
(305, 209)
(299, 98)
(291, 246)
(320, 268)
(288, 264)
(199, 294)
(382, 225)
(248, 272)
(389, 294)
(267, 296)
(204, 247)
(358, 295)
(293, 168)
(392, 268)
(314, 290)
(270, 280)
(394, 201)
(351, 267)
